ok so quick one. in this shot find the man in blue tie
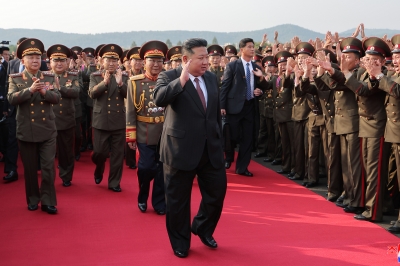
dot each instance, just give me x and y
(242, 84)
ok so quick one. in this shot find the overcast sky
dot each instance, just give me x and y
(101, 16)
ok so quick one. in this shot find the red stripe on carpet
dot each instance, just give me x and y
(267, 220)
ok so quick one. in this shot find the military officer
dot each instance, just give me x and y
(107, 88)
(33, 92)
(167, 65)
(174, 55)
(215, 51)
(230, 51)
(136, 61)
(126, 62)
(391, 85)
(64, 110)
(144, 124)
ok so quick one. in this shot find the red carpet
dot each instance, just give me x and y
(267, 220)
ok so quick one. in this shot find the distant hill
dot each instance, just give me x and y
(125, 39)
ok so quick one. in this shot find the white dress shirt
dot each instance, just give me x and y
(251, 74)
(202, 85)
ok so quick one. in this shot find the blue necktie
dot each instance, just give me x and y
(249, 95)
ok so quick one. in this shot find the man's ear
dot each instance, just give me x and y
(185, 59)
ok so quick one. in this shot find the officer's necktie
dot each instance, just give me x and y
(249, 91)
(200, 92)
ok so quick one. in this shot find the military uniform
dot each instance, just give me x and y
(36, 129)
(65, 114)
(108, 120)
(216, 50)
(144, 124)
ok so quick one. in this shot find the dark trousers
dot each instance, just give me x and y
(333, 165)
(30, 151)
(300, 150)
(149, 168)
(287, 140)
(87, 127)
(266, 136)
(130, 156)
(11, 155)
(242, 129)
(65, 147)
(178, 188)
(103, 139)
(278, 143)
(78, 136)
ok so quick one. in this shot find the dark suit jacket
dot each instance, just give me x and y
(187, 127)
(3, 79)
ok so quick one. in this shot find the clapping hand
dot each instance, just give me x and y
(373, 67)
(118, 77)
(37, 85)
(107, 77)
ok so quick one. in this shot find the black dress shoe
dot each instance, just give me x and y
(291, 174)
(340, 204)
(142, 207)
(392, 222)
(268, 160)
(98, 180)
(160, 212)
(49, 209)
(132, 166)
(33, 207)
(361, 217)
(115, 189)
(259, 154)
(333, 199)
(340, 199)
(282, 172)
(245, 173)
(66, 183)
(394, 229)
(275, 162)
(311, 184)
(296, 177)
(11, 176)
(304, 184)
(209, 241)
(77, 157)
(351, 209)
(227, 165)
(90, 146)
(180, 254)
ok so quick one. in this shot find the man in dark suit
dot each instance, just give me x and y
(191, 144)
(240, 86)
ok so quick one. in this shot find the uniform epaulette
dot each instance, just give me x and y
(97, 73)
(48, 73)
(73, 73)
(137, 77)
(16, 75)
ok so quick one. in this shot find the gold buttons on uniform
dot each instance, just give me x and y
(109, 105)
(44, 119)
(32, 112)
(60, 112)
(31, 104)
(109, 99)
(60, 104)
(109, 112)
(116, 98)
(117, 104)
(41, 103)
(33, 120)
(42, 111)
(106, 92)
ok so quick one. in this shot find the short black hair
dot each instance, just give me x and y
(244, 41)
(189, 44)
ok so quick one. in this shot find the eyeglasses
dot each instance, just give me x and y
(152, 61)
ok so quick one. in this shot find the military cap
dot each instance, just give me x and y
(332, 56)
(96, 51)
(269, 60)
(89, 51)
(174, 53)
(282, 56)
(257, 57)
(268, 48)
(388, 60)
(133, 53)
(152, 49)
(73, 55)
(47, 60)
(124, 58)
(21, 40)
(111, 50)
(305, 48)
(77, 50)
(215, 49)
(58, 51)
(167, 62)
(396, 43)
(377, 46)
(352, 45)
(29, 47)
(230, 49)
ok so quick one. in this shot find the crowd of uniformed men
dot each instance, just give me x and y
(331, 108)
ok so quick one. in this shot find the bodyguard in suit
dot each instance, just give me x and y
(64, 110)
(3, 95)
(242, 83)
(191, 144)
(34, 92)
(108, 89)
(144, 124)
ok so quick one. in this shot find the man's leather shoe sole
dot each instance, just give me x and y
(33, 207)
(180, 254)
(49, 209)
(142, 207)
(115, 189)
(227, 165)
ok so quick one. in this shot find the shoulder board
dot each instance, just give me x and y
(137, 77)
(16, 75)
(73, 73)
(48, 73)
(97, 73)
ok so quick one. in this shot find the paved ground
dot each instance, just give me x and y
(321, 189)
